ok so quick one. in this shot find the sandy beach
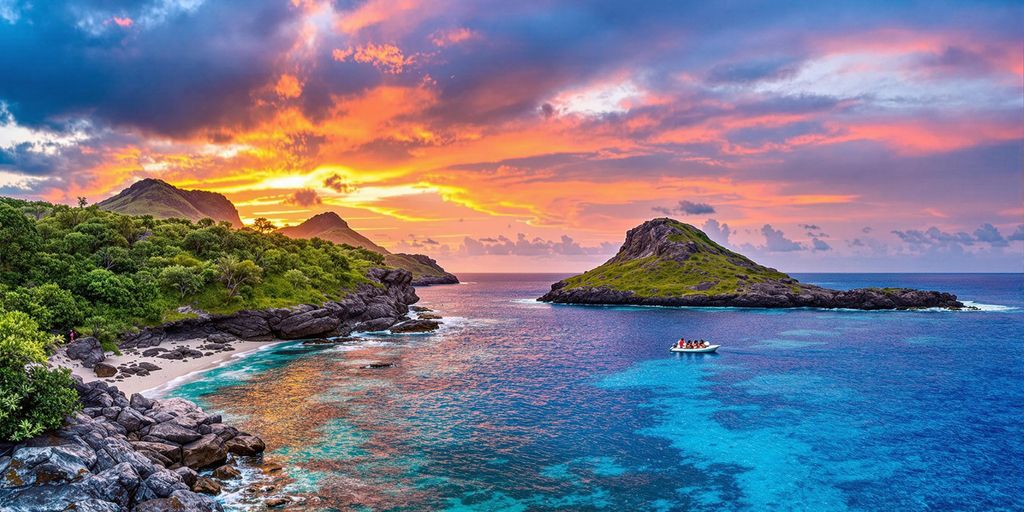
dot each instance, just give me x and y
(171, 372)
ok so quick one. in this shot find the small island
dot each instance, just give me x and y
(664, 262)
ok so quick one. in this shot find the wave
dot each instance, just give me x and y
(987, 307)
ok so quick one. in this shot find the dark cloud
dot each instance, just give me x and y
(820, 245)
(174, 71)
(775, 240)
(305, 197)
(1018, 234)
(988, 233)
(338, 184)
(749, 72)
(686, 208)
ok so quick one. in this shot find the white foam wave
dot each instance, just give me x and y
(977, 306)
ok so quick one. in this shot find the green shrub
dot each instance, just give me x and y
(33, 397)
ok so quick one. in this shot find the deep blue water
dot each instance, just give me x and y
(518, 405)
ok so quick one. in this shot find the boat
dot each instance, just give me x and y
(705, 350)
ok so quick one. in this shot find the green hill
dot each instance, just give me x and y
(330, 226)
(665, 262)
(164, 201)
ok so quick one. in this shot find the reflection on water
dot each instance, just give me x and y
(518, 405)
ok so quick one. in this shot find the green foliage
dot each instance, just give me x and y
(33, 397)
(105, 273)
(710, 270)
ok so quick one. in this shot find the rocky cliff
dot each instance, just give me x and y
(425, 270)
(374, 306)
(121, 454)
(163, 201)
(664, 262)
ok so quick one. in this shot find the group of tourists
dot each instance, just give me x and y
(682, 343)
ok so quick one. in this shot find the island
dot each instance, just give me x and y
(665, 262)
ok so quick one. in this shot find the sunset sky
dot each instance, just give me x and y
(528, 136)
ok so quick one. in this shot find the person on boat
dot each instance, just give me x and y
(681, 342)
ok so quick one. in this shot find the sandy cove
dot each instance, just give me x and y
(172, 372)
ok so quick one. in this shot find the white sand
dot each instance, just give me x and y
(171, 373)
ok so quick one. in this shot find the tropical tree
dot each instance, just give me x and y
(33, 397)
(183, 280)
(263, 225)
(233, 273)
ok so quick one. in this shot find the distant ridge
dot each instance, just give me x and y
(664, 262)
(330, 226)
(163, 201)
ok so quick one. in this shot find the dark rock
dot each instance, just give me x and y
(87, 350)
(207, 451)
(206, 486)
(152, 352)
(410, 326)
(419, 309)
(173, 432)
(245, 444)
(374, 366)
(180, 501)
(170, 451)
(277, 501)
(148, 366)
(187, 475)
(428, 316)
(139, 402)
(226, 472)
(104, 370)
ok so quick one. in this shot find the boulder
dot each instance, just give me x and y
(206, 486)
(173, 432)
(245, 444)
(87, 350)
(103, 370)
(207, 451)
(418, 325)
(308, 324)
(180, 501)
(188, 475)
(226, 472)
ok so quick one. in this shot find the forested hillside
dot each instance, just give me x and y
(104, 273)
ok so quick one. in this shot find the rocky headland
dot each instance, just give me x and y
(664, 262)
(124, 454)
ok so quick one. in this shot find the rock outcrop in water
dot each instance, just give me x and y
(121, 454)
(664, 262)
(372, 307)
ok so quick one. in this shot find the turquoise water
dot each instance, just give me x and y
(517, 405)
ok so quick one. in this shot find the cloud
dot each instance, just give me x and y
(304, 197)
(522, 246)
(388, 58)
(988, 233)
(776, 241)
(686, 208)
(718, 232)
(1018, 234)
(338, 184)
(820, 245)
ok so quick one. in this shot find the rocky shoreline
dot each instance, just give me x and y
(121, 454)
(769, 296)
(372, 307)
(139, 454)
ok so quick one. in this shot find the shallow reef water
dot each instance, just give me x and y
(520, 405)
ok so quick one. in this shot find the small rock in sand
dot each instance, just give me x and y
(104, 370)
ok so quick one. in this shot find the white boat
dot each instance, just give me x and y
(705, 350)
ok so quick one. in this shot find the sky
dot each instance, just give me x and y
(529, 136)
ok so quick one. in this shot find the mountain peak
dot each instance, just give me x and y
(326, 220)
(665, 262)
(151, 196)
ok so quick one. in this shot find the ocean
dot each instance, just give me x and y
(519, 405)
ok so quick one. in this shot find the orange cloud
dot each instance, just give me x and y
(385, 57)
(124, 22)
(288, 86)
